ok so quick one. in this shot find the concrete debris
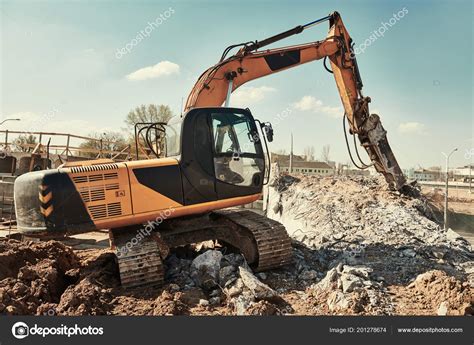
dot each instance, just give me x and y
(370, 241)
(350, 282)
(242, 303)
(205, 269)
(329, 280)
(308, 275)
(258, 289)
(203, 302)
(337, 301)
(235, 289)
(226, 273)
(215, 301)
(443, 309)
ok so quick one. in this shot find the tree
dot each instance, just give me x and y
(150, 113)
(111, 141)
(309, 153)
(325, 153)
(23, 142)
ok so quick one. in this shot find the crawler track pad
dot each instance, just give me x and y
(139, 260)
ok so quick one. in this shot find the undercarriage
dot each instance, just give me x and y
(263, 242)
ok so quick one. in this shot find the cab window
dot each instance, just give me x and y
(238, 157)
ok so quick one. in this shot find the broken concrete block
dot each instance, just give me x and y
(443, 309)
(205, 269)
(350, 282)
(337, 301)
(452, 235)
(361, 271)
(226, 274)
(308, 275)
(259, 290)
(242, 303)
(410, 253)
(328, 281)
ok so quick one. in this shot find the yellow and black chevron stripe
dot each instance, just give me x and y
(46, 200)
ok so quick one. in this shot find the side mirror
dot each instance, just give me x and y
(268, 130)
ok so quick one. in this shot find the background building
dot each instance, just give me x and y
(309, 168)
(427, 175)
(301, 166)
(463, 173)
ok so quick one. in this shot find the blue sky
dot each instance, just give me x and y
(59, 62)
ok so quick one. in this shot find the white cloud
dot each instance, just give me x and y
(310, 103)
(161, 69)
(247, 95)
(411, 127)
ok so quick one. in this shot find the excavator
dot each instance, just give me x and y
(215, 158)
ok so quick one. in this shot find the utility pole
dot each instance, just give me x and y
(291, 155)
(446, 189)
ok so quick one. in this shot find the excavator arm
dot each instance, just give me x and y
(216, 84)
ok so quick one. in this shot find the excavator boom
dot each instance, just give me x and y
(216, 84)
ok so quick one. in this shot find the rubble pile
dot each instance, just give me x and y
(357, 224)
(349, 290)
(224, 280)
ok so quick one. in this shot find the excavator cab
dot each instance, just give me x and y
(220, 153)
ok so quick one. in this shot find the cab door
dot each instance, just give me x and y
(238, 155)
(196, 159)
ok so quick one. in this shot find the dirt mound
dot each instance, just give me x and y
(169, 304)
(14, 255)
(49, 278)
(32, 274)
(434, 292)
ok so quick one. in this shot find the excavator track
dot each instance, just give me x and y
(263, 242)
(140, 264)
(272, 240)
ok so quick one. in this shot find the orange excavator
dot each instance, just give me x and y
(214, 157)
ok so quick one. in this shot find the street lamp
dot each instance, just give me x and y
(446, 191)
(1, 123)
